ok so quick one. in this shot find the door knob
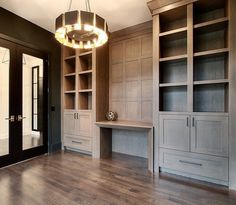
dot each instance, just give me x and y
(11, 118)
(20, 118)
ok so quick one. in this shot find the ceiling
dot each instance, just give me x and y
(119, 14)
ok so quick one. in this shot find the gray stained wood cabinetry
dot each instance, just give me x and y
(191, 86)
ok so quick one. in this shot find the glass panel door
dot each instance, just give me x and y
(4, 100)
(23, 103)
(32, 106)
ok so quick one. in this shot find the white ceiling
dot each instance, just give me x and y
(118, 13)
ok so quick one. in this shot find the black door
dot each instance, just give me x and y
(23, 102)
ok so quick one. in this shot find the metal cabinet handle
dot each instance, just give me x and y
(74, 115)
(11, 118)
(77, 142)
(193, 122)
(192, 163)
(187, 121)
(20, 118)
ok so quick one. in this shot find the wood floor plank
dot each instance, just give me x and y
(68, 178)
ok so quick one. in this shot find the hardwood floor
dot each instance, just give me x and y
(70, 179)
(29, 141)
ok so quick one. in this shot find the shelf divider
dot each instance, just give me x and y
(172, 84)
(86, 91)
(209, 23)
(211, 52)
(179, 30)
(171, 58)
(206, 82)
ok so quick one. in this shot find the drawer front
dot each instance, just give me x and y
(77, 142)
(196, 164)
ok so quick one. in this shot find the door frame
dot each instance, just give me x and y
(20, 48)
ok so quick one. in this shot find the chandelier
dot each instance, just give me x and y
(81, 29)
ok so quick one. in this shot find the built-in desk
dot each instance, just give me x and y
(106, 136)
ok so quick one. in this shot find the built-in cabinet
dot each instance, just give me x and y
(85, 88)
(191, 88)
(196, 133)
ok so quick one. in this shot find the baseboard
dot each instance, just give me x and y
(193, 176)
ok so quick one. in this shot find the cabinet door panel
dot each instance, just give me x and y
(209, 135)
(175, 132)
(84, 124)
(69, 123)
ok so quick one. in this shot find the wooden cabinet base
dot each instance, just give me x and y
(203, 167)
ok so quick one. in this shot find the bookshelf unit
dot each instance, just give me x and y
(191, 87)
(84, 79)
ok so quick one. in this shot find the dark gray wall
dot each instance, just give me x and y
(18, 28)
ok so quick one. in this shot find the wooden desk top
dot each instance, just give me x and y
(123, 124)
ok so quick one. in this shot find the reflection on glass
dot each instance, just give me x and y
(32, 101)
(4, 100)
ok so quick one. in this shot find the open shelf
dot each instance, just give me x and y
(220, 23)
(71, 91)
(69, 53)
(173, 19)
(85, 82)
(172, 32)
(209, 10)
(86, 91)
(211, 37)
(69, 74)
(211, 67)
(173, 45)
(85, 101)
(210, 98)
(70, 58)
(172, 58)
(87, 72)
(69, 66)
(211, 52)
(69, 100)
(209, 82)
(85, 53)
(69, 83)
(162, 85)
(85, 61)
(173, 99)
(173, 71)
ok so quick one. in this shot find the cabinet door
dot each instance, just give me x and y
(69, 122)
(175, 132)
(209, 135)
(83, 124)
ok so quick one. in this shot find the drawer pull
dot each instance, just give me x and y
(192, 163)
(77, 142)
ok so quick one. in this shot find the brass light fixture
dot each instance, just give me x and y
(81, 29)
